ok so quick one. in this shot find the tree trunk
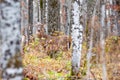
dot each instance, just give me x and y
(77, 36)
(102, 41)
(24, 20)
(46, 17)
(53, 16)
(35, 16)
(10, 57)
(68, 16)
(62, 16)
(30, 30)
(108, 10)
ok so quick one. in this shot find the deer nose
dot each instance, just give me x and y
(38, 30)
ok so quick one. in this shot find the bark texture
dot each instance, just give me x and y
(53, 16)
(77, 36)
(10, 57)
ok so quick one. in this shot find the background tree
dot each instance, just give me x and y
(35, 15)
(30, 20)
(10, 57)
(102, 40)
(53, 16)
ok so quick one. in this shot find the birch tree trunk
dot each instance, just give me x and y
(77, 36)
(10, 57)
(102, 41)
(35, 16)
(108, 11)
(46, 16)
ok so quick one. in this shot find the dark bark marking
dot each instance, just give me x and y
(11, 42)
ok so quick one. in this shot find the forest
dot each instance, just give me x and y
(59, 39)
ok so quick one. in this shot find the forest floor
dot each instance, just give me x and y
(38, 65)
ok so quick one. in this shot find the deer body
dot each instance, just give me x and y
(53, 44)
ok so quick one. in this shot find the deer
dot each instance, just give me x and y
(52, 43)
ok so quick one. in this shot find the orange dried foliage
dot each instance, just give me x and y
(113, 7)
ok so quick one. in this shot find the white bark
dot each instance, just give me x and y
(46, 17)
(10, 59)
(108, 14)
(35, 16)
(111, 3)
(77, 36)
(102, 41)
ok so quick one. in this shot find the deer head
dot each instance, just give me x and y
(40, 30)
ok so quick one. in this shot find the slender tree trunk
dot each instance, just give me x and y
(10, 57)
(115, 27)
(24, 21)
(62, 15)
(77, 36)
(35, 16)
(102, 41)
(30, 30)
(46, 16)
(108, 18)
(39, 11)
(68, 16)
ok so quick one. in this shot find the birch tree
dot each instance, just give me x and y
(46, 16)
(77, 36)
(108, 17)
(35, 16)
(102, 40)
(10, 57)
